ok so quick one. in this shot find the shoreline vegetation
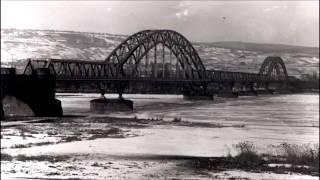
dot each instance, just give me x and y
(302, 159)
(285, 158)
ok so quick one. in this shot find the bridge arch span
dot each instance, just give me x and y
(274, 68)
(132, 52)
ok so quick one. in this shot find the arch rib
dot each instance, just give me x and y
(274, 68)
(129, 47)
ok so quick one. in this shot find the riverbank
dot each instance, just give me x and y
(82, 148)
(165, 137)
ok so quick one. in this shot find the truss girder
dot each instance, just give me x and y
(74, 69)
(227, 76)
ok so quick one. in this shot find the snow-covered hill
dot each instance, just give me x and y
(19, 44)
(247, 57)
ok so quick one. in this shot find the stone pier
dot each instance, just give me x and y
(103, 104)
(199, 97)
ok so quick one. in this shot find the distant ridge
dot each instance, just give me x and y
(281, 48)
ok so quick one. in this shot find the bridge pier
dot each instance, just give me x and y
(226, 90)
(265, 88)
(197, 92)
(199, 97)
(247, 89)
(103, 104)
(253, 89)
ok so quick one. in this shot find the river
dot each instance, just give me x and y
(207, 128)
(263, 120)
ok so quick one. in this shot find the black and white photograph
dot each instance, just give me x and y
(169, 90)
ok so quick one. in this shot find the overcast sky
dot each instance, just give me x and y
(285, 22)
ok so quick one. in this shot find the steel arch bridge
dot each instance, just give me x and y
(136, 47)
(153, 56)
(150, 61)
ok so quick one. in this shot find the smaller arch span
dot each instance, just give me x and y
(274, 68)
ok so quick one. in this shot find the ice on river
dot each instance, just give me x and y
(263, 120)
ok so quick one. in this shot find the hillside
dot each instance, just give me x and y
(281, 48)
(230, 56)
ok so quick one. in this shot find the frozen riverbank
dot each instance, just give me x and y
(206, 129)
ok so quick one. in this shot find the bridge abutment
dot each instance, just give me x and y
(2, 112)
(37, 91)
(47, 107)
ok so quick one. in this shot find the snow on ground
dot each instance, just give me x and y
(213, 130)
(236, 174)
